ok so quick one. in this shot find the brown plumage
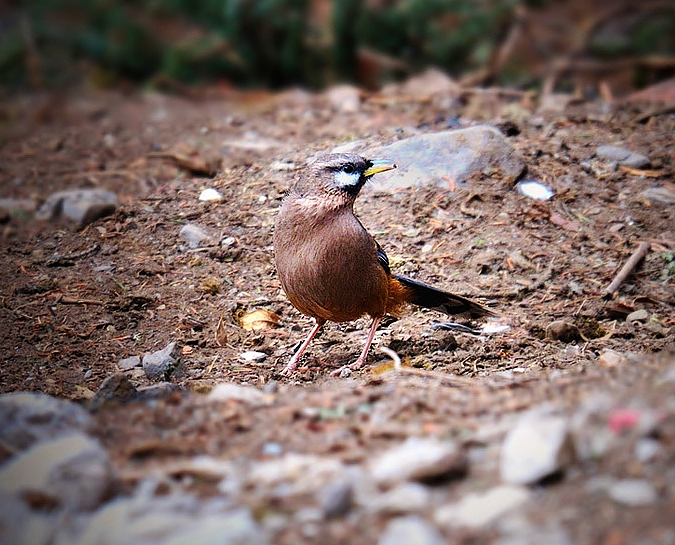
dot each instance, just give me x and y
(330, 267)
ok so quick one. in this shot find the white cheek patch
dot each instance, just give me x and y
(342, 179)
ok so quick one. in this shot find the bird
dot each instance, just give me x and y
(331, 268)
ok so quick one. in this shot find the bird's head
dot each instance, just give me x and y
(340, 174)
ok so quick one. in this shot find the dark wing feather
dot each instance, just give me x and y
(382, 258)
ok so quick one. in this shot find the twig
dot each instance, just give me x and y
(620, 278)
(393, 355)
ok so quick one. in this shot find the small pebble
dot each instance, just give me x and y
(633, 492)
(161, 365)
(640, 315)
(253, 356)
(611, 358)
(560, 330)
(534, 190)
(210, 195)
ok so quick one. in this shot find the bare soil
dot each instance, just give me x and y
(75, 300)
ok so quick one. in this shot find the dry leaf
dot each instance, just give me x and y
(258, 319)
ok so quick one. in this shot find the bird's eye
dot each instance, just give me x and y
(348, 168)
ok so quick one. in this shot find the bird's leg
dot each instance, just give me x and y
(364, 354)
(298, 354)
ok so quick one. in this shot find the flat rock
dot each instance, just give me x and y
(411, 530)
(622, 156)
(194, 235)
(537, 447)
(402, 499)
(479, 510)
(73, 471)
(172, 520)
(659, 195)
(26, 418)
(446, 158)
(80, 205)
(295, 474)
(129, 363)
(226, 391)
(160, 365)
(419, 459)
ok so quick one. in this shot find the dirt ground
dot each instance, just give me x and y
(74, 301)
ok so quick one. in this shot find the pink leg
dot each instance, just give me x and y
(296, 357)
(364, 354)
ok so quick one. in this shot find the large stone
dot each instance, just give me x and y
(537, 447)
(446, 158)
(26, 418)
(173, 520)
(419, 459)
(411, 530)
(73, 471)
(482, 509)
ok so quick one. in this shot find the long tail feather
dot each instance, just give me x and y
(423, 295)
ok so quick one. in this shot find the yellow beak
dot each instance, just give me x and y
(378, 165)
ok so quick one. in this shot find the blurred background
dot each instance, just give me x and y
(535, 44)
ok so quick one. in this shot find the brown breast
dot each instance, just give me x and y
(327, 262)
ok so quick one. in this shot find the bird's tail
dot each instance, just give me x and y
(423, 295)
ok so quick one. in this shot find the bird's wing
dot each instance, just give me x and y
(382, 258)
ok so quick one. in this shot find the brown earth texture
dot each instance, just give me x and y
(75, 300)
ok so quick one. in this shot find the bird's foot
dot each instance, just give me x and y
(346, 370)
(288, 370)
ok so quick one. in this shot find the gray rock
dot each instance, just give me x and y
(419, 459)
(26, 418)
(80, 205)
(633, 492)
(411, 530)
(528, 534)
(640, 315)
(336, 499)
(403, 498)
(537, 447)
(160, 365)
(73, 471)
(21, 526)
(295, 474)
(172, 520)
(435, 158)
(115, 388)
(479, 510)
(194, 235)
(611, 358)
(659, 195)
(247, 394)
(622, 156)
(18, 207)
(646, 449)
(129, 363)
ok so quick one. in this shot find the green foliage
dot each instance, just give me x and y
(270, 43)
